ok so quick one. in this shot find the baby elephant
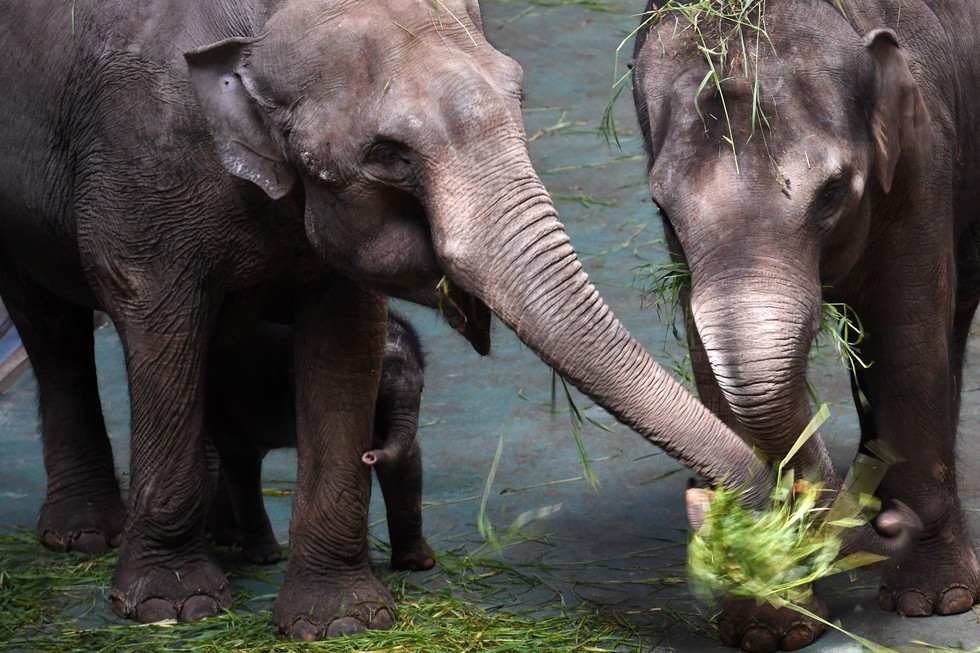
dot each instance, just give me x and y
(250, 408)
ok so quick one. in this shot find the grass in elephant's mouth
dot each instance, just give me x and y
(661, 286)
(51, 602)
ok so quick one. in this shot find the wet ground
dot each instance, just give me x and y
(622, 545)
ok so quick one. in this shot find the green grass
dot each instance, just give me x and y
(51, 602)
(661, 286)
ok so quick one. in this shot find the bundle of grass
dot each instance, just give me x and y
(775, 555)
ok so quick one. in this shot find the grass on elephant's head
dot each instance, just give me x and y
(728, 35)
(53, 602)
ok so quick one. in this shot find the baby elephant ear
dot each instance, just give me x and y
(245, 146)
(900, 117)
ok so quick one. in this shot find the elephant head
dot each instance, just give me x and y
(400, 128)
(765, 181)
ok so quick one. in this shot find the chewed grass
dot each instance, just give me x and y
(51, 602)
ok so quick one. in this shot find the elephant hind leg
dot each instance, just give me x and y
(82, 511)
(401, 485)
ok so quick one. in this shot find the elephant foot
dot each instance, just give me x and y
(345, 604)
(261, 550)
(416, 556)
(86, 522)
(939, 576)
(183, 585)
(763, 628)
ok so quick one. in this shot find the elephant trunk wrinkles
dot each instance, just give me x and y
(756, 335)
(536, 285)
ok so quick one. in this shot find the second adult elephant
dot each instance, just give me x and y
(836, 158)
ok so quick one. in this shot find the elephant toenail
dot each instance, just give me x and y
(90, 543)
(797, 638)
(382, 620)
(886, 600)
(956, 600)
(303, 631)
(345, 626)
(760, 640)
(198, 607)
(914, 604)
(152, 610)
(54, 542)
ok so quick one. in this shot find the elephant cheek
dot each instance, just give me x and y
(844, 245)
(387, 248)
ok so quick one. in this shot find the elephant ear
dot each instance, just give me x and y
(899, 113)
(244, 143)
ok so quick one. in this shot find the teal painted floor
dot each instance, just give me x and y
(624, 544)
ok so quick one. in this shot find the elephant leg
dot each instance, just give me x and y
(339, 342)
(401, 486)
(222, 522)
(913, 383)
(239, 492)
(82, 510)
(166, 569)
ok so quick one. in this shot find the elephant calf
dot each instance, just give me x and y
(250, 408)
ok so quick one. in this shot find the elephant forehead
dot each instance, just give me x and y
(315, 51)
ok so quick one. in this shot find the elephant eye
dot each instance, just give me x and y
(828, 204)
(388, 153)
(389, 163)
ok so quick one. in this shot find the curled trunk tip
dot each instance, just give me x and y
(891, 535)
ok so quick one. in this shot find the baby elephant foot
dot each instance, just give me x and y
(262, 550)
(178, 585)
(313, 609)
(415, 556)
(86, 523)
(937, 577)
(764, 628)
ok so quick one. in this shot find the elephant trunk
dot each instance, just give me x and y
(519, 261)
(756, 333)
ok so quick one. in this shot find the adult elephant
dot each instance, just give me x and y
(836, 158)
(192, 166)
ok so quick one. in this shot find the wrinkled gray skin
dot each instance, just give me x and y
(249, 409)
(865, 190)
(192, 166)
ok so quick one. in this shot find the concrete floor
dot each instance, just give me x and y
(625, 544)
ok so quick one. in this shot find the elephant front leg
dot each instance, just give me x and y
(166, 569)
(330, 589)
(915, 414)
